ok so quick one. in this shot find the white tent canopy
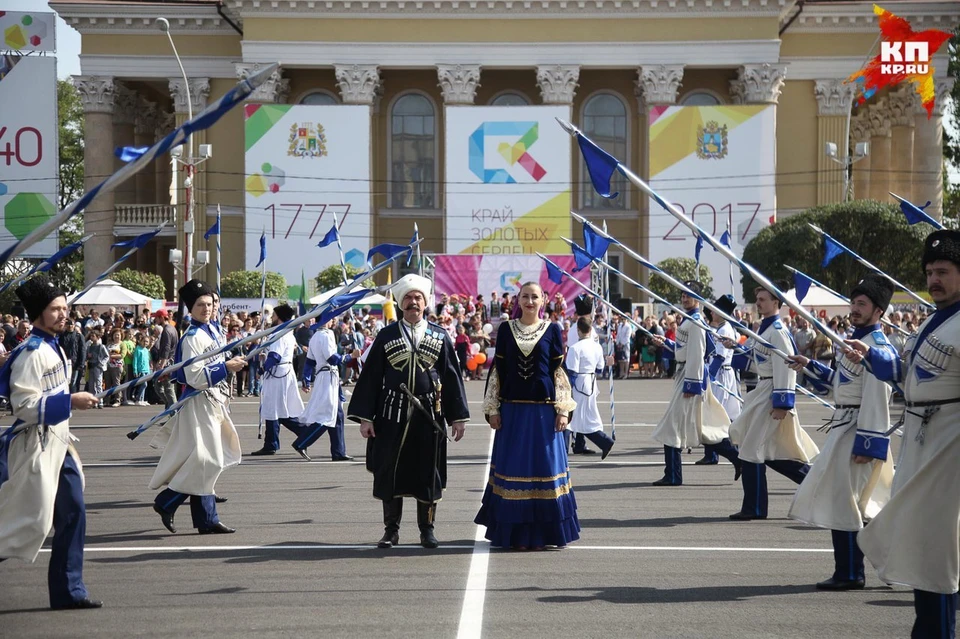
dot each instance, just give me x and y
(369, 300)
(110, 293)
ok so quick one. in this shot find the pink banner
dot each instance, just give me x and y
(486, 274)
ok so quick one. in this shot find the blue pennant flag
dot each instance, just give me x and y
(386, 250)
(916, 214)
(331, 237)
(554, 273)
(802, 283)
(263, 249)
(213, 230)
(698, 248)
(582, 258)
(413, 240)
(339, 304)
(595, 243)
(600, 164)
(130, 153)
(831, 250)
(725, 239)
(54, 259)
(138, 242)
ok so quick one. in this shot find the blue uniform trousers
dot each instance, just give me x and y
(673, 469)
(936, 615)
(847, 556)
(310, 434)
(600, 439)
(65, 573)
(203, 508)
(755, 482)
(271, 434)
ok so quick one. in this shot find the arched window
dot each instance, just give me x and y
(510, 98)
(413, 153)
(605, 122)
(321, 98)
(700, 98)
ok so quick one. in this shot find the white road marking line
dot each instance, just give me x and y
(474, 630)
(471, 614)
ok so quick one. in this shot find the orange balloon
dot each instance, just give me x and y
(480, 358)
(471, 364)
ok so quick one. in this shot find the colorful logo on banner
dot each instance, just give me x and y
(712, 141)
(270, 180)
(26, 31)
(307, 140)
(510, 281)
(527, 134)
(904, 57)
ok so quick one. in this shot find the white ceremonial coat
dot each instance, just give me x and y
(759, 436)
(691, 421)
(279, 396)
(837, 493)
(325, 394)
(27, 497)
(201, 440)
(914, 540)
(585, 358)
(726, 376)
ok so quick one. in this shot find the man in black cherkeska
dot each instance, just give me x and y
(406, 452)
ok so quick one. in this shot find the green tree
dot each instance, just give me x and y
(246, 284)
(682, 268)
(332, 277)
(149, 284)
(70, 111)
(877, 231)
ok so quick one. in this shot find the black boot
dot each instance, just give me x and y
(392, 511)
(425, 515)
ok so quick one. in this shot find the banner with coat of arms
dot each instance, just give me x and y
(305, 165)
(718, 164)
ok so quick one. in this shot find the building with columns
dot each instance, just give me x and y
(609, 61)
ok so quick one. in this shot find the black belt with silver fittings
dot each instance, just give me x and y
(931, 408)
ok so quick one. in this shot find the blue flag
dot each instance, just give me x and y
(699, 247)
(582, 257)
(386, 250)
(341, 303)
(600, 165)
(130, 153)
(554, 273)
(725, 239)
(263, 249)
(138, 242)
(416, 236)
(213, 230)
(595, 243)
(802, 283)
(916, 214)
(831, 250)
(54, 259)
(331, 237)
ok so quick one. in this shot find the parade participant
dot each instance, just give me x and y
(727, 386)
(528, 501)
(694, 416)
(200, 441)
(583, 304)
(913, 540)
(406, 452)
(584, 362)
(324, 413)
(768, 430)
(41, 481)
(280, 401)
(851, 478)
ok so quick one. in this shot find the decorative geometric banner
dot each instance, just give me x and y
(27, 31)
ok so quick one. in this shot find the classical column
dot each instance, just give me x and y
(928, 150)
(558, 83)
(124, 116)
(144, 128)
(165, 123)
(758, 84)
(901, 140)
(660, 84)
(275, 90)
(96, 95)
(860, 132)
(199, 92)
(878, 117)
(458, 82)
(834, 101)
(358, 82)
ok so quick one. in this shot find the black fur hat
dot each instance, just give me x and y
(876, 288)
(36, 294)
(284, 312)
(694, 286)
(942, 245)
(194, 290)
(725, 303)
(583, 304)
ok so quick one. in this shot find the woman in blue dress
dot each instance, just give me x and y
(529, 502)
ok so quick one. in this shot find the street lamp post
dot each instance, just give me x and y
(861, 151)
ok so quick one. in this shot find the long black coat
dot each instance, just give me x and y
(408, 456)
